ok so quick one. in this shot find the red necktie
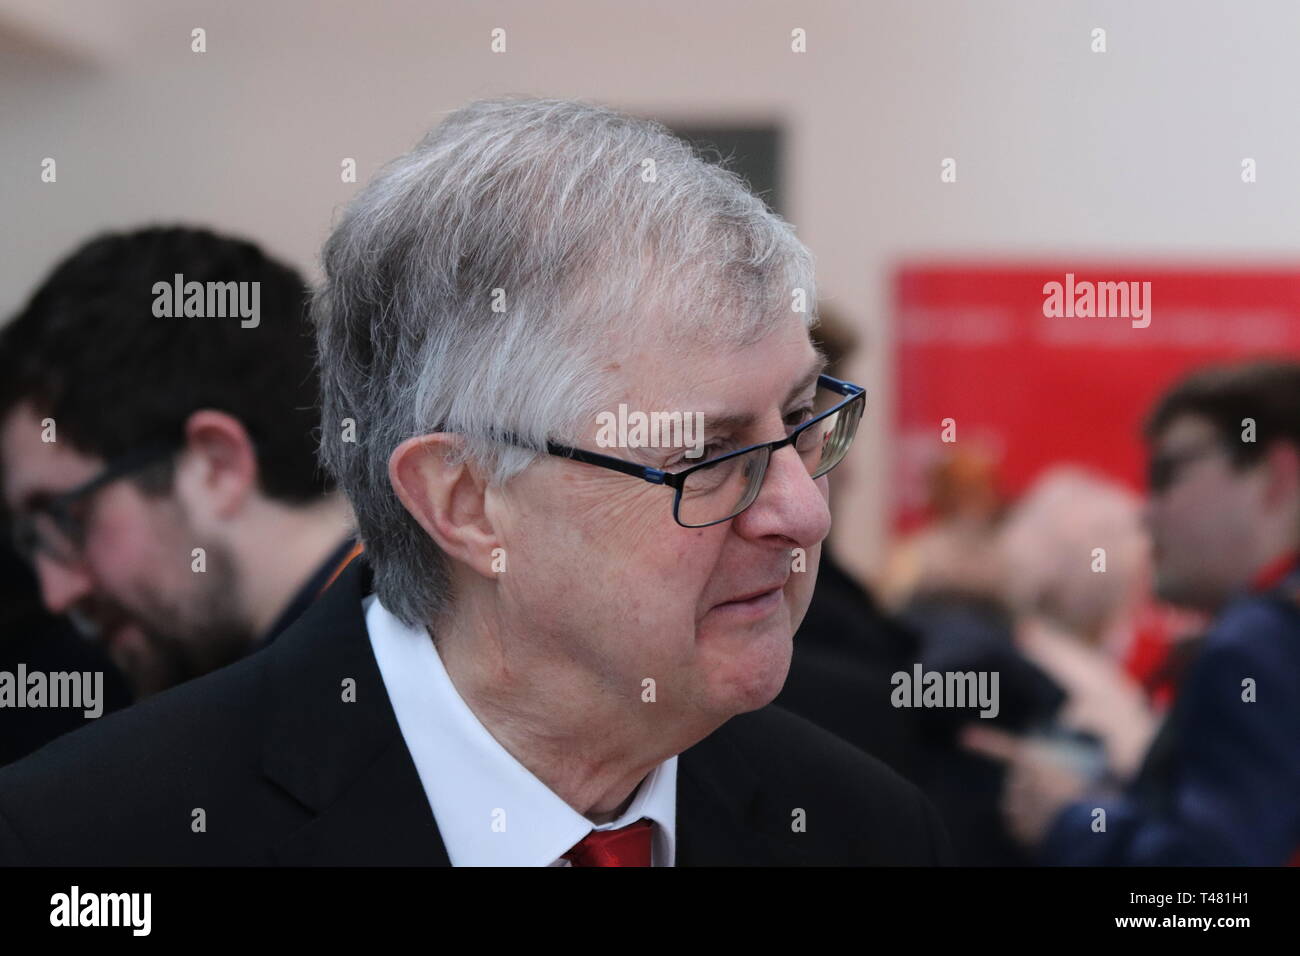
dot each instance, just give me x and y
(626, 846)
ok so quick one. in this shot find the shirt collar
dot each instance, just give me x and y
(490, 809)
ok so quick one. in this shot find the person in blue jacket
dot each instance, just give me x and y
(1221, 783)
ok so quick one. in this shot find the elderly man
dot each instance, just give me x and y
(570, 648)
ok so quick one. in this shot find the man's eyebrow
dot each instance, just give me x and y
(730, 423)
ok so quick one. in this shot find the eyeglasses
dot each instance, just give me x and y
(1163, 470)
(56, 526)
(717, 490)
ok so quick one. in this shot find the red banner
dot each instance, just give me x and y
(1040, 364)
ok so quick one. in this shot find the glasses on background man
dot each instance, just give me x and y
(1166, 467)
(55, 525)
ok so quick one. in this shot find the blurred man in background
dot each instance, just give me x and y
(158, 422)
(1072, 620)
(1221, 782)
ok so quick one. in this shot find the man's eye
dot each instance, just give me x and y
(798, 417)
(709, 451)
(715, 448)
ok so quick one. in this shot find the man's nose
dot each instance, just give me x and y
(62, 586)
(788, 504)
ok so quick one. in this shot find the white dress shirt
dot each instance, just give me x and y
(490, 809)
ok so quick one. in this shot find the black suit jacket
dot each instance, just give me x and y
(846, 652)
(286, 772)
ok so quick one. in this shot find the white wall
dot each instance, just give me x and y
(1059, 150)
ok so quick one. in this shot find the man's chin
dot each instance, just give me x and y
(754, 676)
(758, 693)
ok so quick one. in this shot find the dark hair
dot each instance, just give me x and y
(1267, 391)
(88, 351)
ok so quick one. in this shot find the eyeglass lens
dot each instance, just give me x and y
(721, 491)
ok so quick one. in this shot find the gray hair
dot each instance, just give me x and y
(550, 206)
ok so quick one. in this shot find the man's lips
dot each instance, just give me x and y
(111, 628)
(753, 603)
(750, 609)
(751, 595)
(118, 636)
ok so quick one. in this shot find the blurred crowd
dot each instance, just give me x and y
(1147, 646)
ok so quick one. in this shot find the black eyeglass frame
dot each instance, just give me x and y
(26, 539)
(677, 479)
(1164, 471)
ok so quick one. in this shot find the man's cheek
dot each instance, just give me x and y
(804, 563)
(803, 581)
(121, 552)
(125, 582)
(632, 528)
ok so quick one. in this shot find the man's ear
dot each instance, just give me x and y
(449, 501)
(217, 472)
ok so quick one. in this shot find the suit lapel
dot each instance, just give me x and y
(724, 818)
(336, 747)
(382, 820)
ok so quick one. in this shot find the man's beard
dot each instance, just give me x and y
(167, 641)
